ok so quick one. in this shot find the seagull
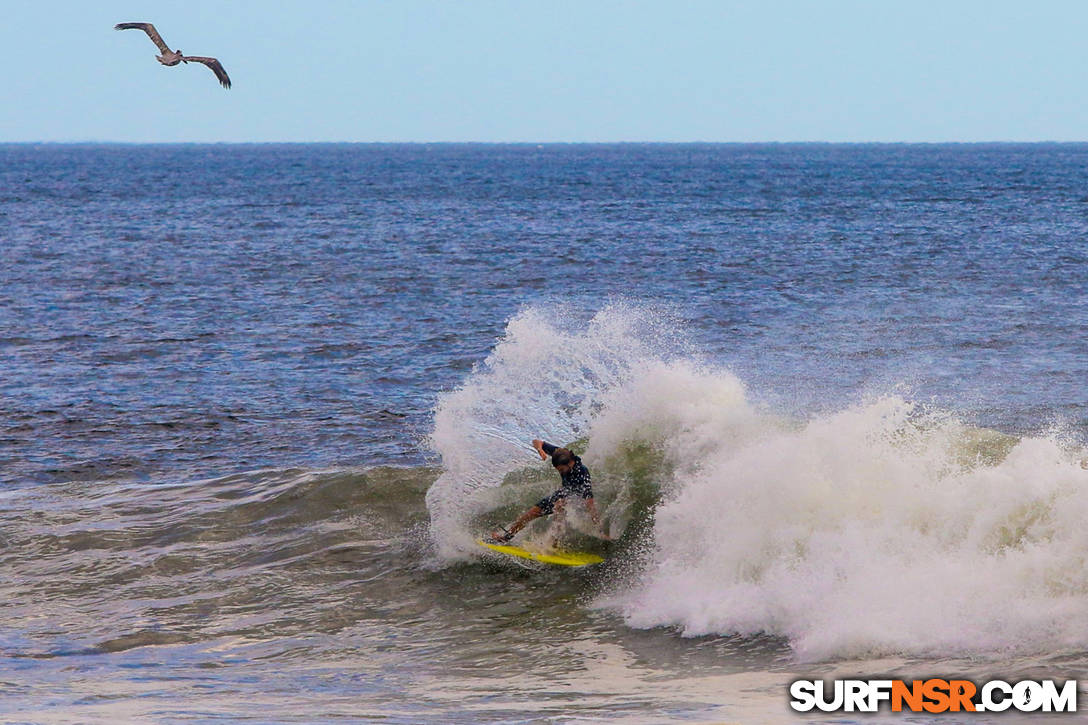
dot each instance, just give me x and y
(173, 57)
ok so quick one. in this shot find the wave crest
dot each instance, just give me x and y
(885, 527)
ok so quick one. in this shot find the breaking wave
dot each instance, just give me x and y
(884, 527)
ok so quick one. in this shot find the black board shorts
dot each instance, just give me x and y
(547, 504)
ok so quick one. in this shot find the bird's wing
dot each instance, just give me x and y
(147, 28)
(215, 65)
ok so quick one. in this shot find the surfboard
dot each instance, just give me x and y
(562, 558)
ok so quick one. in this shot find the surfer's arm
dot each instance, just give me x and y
(544, 448)
(591, 506)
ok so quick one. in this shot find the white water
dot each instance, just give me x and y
(882, 528)
(545, 379)
(866, 532)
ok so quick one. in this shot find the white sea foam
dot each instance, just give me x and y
(875, 530)
(882, 528)
(545, 379)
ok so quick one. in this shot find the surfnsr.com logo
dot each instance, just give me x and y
(933, 695)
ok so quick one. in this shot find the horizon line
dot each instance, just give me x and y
(539, 143)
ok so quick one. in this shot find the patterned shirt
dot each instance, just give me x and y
(576, 480)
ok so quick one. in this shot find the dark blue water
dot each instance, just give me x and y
(170, 311)
(219, 365)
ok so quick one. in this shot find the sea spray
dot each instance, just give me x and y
(884, 527)
(548, 377)
(870, 531)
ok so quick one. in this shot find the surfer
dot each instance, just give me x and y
(575, 482)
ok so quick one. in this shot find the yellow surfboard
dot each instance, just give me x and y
(562, 558)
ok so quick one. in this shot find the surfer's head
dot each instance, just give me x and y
(563, 459)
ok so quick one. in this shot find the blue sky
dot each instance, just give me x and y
(430, 70)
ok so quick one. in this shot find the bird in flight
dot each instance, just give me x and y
(173, 57)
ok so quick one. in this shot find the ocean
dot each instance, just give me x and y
(258, 401)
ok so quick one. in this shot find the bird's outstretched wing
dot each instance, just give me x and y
(147, 28)
(214, 64)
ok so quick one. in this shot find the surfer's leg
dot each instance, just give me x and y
(533, 513)
(544, 507)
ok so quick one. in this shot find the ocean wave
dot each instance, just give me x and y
(883, 527)
(879, 529)
(117, 565)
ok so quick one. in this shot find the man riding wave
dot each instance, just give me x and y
(575, 482)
